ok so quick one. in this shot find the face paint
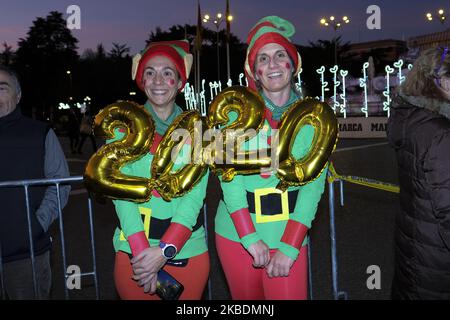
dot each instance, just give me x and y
(171, 82)
(260, 72)
(288, 65)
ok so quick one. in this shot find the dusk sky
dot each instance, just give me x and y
(132, 21)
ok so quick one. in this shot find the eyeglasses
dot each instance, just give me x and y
(438, 68)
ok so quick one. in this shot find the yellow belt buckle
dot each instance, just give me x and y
(284, 215)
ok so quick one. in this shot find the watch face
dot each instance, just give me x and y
(170, 251)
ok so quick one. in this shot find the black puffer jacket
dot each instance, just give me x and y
(419, 131)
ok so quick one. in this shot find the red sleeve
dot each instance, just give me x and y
(177, 234)
(294, 234)
(138, 242)
(243, 222)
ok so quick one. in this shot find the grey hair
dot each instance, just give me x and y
(14, 78)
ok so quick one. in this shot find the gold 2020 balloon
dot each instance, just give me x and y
(291, 171)
(226, 158)
(187, 126)
(102, 174)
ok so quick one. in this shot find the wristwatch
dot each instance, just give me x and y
(168, 250)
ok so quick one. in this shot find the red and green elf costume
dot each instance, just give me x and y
(177, 222)
(236, 224)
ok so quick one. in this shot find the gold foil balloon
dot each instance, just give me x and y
(320, 116)
(102, 175)
(188, 126)
(224, 155)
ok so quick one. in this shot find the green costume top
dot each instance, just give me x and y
(136, 217)
(235, 197)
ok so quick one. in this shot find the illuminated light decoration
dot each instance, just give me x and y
(386, 93)
(340, 98)
(343, 106)
(321, 71)
(187, 91)
(63, 106)
(336, 84)
(399, 65)
(241, 75)
(216, 86)
(298, 85)
(211, 91)
(193, 99)
(203, 99)
(363, 84)
(229, 83)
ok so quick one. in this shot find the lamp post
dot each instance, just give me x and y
(229, 19)
(336, 24)
(70, 84)
(217, 22)
(441, 16)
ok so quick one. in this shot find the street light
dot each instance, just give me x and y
(335, 24)
(441, 16)
(217, 22)
(70, 83)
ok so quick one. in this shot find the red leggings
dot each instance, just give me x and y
(193, 277)
(249, 283)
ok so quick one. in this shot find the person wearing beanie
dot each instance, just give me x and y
(161, 234)
(261, 237)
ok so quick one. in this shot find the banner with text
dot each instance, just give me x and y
(362, 127)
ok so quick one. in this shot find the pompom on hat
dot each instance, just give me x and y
(271, 29)
(177, 51)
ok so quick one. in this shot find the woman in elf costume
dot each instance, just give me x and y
(261, 240)
(159, 234)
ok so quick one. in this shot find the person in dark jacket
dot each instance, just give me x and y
(86, 132)
(73, 130)
(30, 150)
(419, 131)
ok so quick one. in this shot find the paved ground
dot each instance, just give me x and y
(364, 229)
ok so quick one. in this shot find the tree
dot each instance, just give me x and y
(6, 56)
(43, 58)
(106, 76)
(119, 51)
(100, 54)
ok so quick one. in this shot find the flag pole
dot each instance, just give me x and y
(228, 22)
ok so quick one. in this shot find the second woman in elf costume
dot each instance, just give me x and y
(263, 249)
(160, 234)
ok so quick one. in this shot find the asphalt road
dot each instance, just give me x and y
(364, 230)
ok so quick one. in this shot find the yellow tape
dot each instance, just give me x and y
(362, 181)
(372, 183)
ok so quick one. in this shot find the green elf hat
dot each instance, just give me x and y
(271, 29)
(177, 51)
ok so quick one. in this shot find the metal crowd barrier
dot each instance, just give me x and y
(332, 177)
(57, 182)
